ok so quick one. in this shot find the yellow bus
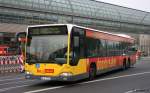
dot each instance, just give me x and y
(67, 52)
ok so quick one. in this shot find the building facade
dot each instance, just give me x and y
(90, 13)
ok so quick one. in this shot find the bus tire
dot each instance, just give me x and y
(92, 71)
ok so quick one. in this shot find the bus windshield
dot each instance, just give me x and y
(45, 45)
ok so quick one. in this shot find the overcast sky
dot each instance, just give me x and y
(136, 4)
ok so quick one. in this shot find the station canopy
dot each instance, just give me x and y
(85, 12)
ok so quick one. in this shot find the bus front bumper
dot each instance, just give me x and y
(58, 78)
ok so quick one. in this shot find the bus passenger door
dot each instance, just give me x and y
(78, 50)
(75, 50)
(77, 46)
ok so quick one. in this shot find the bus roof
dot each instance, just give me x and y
(94, 30)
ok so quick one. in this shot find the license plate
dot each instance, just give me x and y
(37, 65)
(45, 78)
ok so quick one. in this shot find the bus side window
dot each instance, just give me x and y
(92, 47)
(103, 48)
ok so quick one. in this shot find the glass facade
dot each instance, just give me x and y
(89, 13)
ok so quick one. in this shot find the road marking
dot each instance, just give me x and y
(123, 76)
(139, 91)
(131, 91)
(11, 79)
(15, 82)
(45, 89)
(52, 88)
(5, 89)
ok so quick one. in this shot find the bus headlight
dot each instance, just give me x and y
(66, 74)
(28, 73)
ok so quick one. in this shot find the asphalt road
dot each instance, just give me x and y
(133, 80)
